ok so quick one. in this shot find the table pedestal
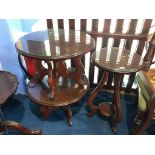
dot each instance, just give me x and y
(114, 109)
(58, 86)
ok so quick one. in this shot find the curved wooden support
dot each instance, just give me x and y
(79, 72)
(113, 124)
(116, 98)
(52, 79)
(18, 126)
(68, 113)
(40, 72)
(93, 108)
(76, 74)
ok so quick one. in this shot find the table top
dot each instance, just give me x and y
(67, 92)
(54, 44)
(8, 85)
(117, 60)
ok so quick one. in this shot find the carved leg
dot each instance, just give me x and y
(40, 72)
(144, 119)
(117, 116)
(93, 108)
(68, 113)
(45, 110)
(75, 74)
(18, 126)
(52, 79)
(113, 123)
(79, 72)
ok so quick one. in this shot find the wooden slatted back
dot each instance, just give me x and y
(105, 35)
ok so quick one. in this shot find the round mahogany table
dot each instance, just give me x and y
(118, 62)
(8, 86)
(55, 85)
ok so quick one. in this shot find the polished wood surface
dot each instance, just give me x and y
(127, 37)
(114, 59)
(54, 47)
(8, 86)
(118, 62)
(67, 92)
(55, 44)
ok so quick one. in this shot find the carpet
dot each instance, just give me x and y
(21, 109)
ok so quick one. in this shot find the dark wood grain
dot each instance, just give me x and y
(118, 62)
(55, 49)
(72, 27)
(83, 26)
(116, 42)
(72, 24)
(8, 86)
(62, 86)
(145, 30)
(115, 62)
(106, 29)
(60, 24)
(91, 68)
(119, 28)
(67, 92)
(49, 23)
(132, 29)
(138, 36)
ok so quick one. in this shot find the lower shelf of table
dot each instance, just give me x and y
(67, 92)
(106, 109)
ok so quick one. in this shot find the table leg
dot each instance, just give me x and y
(73, 73)
(53, 78)
(117, 115)
(93, 108)
(68, 113)
(18, 126)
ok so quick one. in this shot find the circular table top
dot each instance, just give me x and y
(55, 44)
(117, 60)
(8, 85)
(67, 92)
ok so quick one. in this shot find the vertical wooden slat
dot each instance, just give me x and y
(72, 24)
(72, 27)
(119, 28)
(83, 25)
(128, 43)
(91, 69)
(132, 30)
(106, 28)
(60, 24)
(49, 23)
(145, 30)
